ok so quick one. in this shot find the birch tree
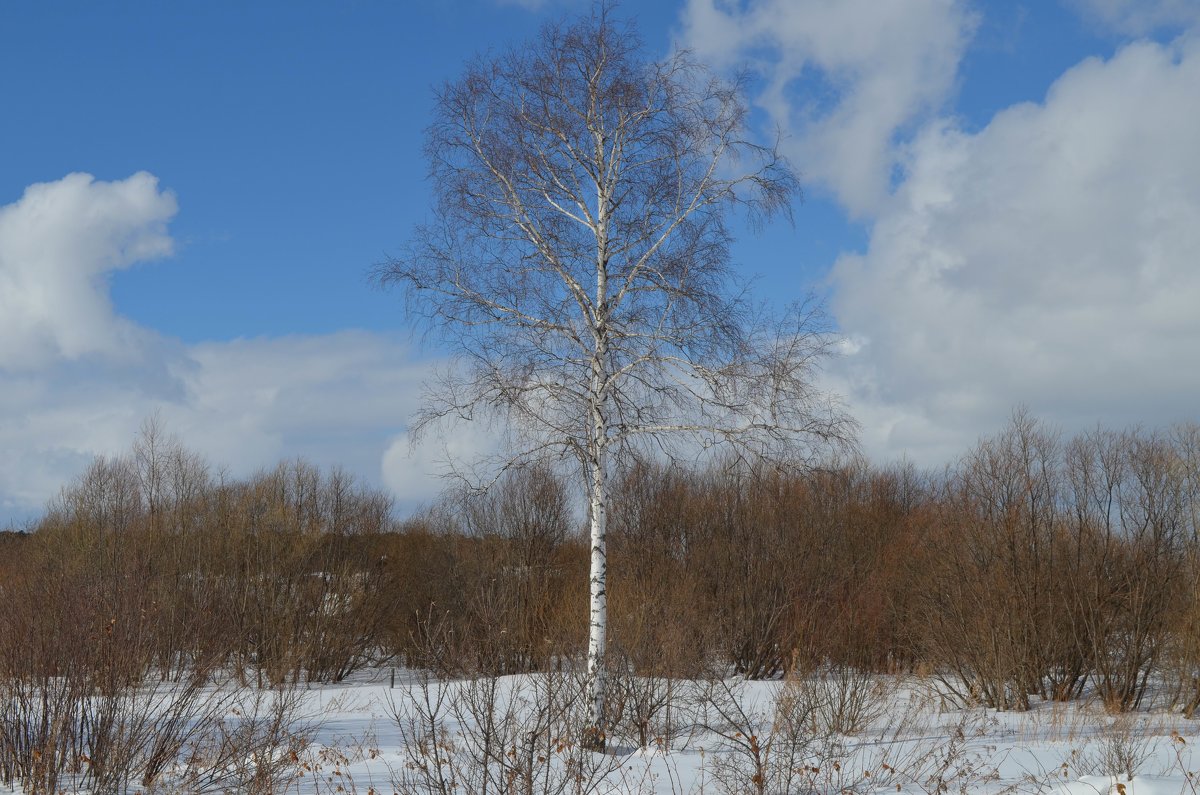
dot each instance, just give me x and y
(577, 260)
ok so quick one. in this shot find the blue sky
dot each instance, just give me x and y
(999, 198)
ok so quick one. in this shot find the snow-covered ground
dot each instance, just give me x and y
(398, 731)
(914, 742)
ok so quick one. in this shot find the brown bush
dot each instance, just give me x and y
(1035, 567)
(1059, 564)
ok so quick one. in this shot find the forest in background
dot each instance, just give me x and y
(165, 623)
(1036, 567)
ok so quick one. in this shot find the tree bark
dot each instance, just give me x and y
(598, 608)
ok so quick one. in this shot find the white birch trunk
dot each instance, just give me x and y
(597, 443)
(598, 606)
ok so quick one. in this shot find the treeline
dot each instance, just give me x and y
(1037, 566)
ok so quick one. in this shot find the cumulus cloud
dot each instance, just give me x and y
(1140, 17)
(56, 245)
(845, 79)
(1049, 259)
(77, 379)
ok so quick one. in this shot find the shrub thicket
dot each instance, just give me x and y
(1035, 567)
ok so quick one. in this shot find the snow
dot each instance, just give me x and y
(914, 742)
(916, 746)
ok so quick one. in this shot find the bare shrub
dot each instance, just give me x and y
(521, 525)
(255, 746)
(749, 563)
(661, 602)
(993, 602)
(497, 734)
(83, 701)
(845, 699)
(1122, 749)
(1058, 564)
(1182, 654)
(765, 747)
(644, 710)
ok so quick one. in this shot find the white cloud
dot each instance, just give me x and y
(56, 244)
(1049, 259)
(77, 379)
(333, 399)
(451, 451)
(339, 399)
(844, 78)
(1140, 17)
